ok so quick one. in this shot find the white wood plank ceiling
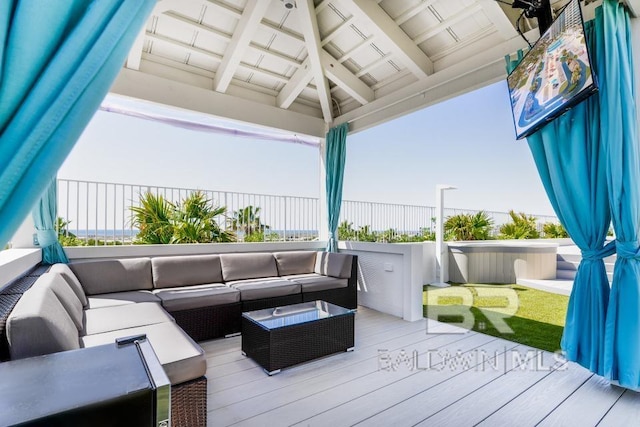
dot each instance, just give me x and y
(320, 63)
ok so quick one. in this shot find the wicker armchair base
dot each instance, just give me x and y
(189, 403)
(207, 323)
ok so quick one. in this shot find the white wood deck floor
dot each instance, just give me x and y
(456, 379)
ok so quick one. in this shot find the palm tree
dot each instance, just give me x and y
(153, 219)
(247, 220)
(195, 221)
(468, 226)
(521, 226)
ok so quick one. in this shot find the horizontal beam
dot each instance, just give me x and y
(165, 91)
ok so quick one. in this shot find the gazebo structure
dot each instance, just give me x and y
(317, 69)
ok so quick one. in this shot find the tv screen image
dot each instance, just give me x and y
(553, 76)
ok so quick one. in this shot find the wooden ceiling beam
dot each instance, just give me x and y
(377, 20)
(240, 40)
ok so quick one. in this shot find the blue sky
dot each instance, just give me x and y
(467, 141)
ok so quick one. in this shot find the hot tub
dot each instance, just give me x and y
(501, 261)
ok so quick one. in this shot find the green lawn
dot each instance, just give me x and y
(513, 312)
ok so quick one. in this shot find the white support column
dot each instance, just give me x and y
(323, 229)
(442, 258)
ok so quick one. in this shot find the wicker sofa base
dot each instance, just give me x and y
(207, 323)
(189, 403)
(341, 297)
(259, 304)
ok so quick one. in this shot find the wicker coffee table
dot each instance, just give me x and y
(284, 336)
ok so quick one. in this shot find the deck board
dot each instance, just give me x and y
(458, 379)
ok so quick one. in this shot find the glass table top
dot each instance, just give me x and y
(273, 318)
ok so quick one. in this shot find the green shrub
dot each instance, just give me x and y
(522, 226)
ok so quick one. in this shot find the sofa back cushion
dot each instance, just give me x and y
(113, 275)
(295, 262)
(174, 271)
(65, 295)
(72, 280)
(334, 264)
(39, 325)
(248, 266)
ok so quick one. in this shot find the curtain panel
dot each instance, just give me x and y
(619, 128)
(335, 160)
(56, 66)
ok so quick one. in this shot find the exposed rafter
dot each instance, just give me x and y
(240, 41)
(218, 58)
(135, 54)
(300, 79)
(289, 35)
(378, 20)
(309, 24)
(226, 38)
(340, 75)
(410, 13)
(436, 29)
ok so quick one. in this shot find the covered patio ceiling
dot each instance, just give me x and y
(321, 63)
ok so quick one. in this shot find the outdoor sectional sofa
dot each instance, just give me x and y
(174, 301)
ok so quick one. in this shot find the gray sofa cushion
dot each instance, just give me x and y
(121, 298)
(173, 271)
(176, 299)
(181, 358)
(251, 289)
(65, 295)
(333, 264)
(248, 266)
(72, 280)
(295, 262)
(108, 319)
(113, 275)
(39, 325)
(317, 282)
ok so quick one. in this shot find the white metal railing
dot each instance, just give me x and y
(99, 213)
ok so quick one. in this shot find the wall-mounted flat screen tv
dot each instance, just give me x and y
(553, 76)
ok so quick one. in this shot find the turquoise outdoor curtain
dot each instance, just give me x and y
(589, 165)
(620, 139)
(56, 66)
(570, 159)
(44, 218)
(335, 159)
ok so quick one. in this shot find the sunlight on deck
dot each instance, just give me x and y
(401, 375)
